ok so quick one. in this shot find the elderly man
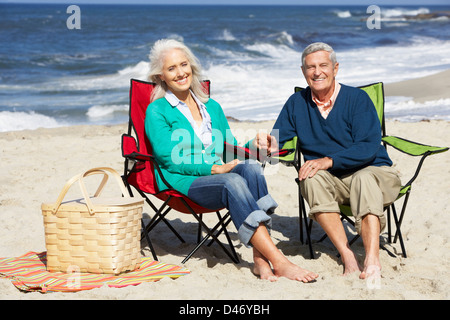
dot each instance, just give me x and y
(345, 163)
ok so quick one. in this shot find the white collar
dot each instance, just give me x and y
(174, 101)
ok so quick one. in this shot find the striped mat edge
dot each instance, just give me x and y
(28, 273)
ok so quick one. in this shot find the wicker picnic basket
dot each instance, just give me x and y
(93, 234)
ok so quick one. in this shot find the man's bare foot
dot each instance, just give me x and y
(294, 272)
(350, 263)
(372, 272)
(372, 268)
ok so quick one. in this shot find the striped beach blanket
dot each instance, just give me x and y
(29, 273)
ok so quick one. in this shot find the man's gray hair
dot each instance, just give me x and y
(319, 46)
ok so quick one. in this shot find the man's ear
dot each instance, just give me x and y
(336, 68)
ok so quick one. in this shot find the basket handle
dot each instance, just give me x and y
(80, 177)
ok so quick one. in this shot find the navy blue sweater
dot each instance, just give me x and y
(351, 134)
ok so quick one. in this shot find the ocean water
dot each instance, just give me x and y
(52, 76)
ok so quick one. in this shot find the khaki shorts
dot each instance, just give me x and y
(368, 190)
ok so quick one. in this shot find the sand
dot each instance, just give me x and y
(36, 164)
(433, 87)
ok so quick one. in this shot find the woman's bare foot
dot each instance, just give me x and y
(264, 271)
(265, 253)
(294, 272)
(262, 267)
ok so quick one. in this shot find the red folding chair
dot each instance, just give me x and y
(139, 172)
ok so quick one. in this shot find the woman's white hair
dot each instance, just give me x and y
(319, 46)
(157, 55)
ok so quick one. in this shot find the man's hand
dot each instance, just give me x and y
(310, 167)
(265, 141)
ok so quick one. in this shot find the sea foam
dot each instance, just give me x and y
(16, 121)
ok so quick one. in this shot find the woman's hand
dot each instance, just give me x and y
(310, 167)
(265, 141)
(224, 168)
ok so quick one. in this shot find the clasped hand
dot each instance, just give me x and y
(262, 141)
(309, 169)
(265, 141)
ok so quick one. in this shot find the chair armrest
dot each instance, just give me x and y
(247, 153)
(129, 145)
(287, 155)
(412, 148)
(241, 152)
(130, 150)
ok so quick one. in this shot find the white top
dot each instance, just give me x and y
(204, 132)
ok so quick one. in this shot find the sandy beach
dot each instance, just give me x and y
(433, 87)
(36, 164)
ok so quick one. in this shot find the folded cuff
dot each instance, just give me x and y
(251, 223)
(267, 204)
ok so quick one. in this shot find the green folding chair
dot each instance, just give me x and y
(376, 94)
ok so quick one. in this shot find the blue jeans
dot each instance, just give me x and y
(243, 191)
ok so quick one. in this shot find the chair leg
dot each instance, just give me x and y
(222, 228)
(211, 233)
(224, 224)
(398, 233)
(161, 217)
(199, 231)
(147, 237)
(300, 220)
(303, 215)
(388, 218)
(158, 216)
(389, 252)
(308, 234)
(400, 220)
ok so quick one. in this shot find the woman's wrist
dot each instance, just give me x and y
(215, 169)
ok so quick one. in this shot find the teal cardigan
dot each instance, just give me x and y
(178, 150)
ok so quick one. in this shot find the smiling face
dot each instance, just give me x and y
(177, 72)
(320, 73)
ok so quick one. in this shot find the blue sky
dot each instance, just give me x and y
(255, 2)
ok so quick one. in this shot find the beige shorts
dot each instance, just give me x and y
(368, 190)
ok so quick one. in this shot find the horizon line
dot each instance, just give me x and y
(225, 4)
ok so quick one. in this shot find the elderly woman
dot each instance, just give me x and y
(196, 164)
